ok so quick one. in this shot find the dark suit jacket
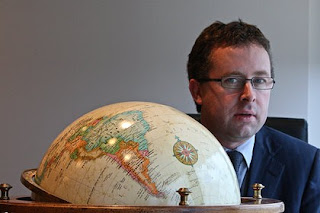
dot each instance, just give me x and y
(288, 168)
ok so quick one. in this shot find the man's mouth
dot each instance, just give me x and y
(245, 115)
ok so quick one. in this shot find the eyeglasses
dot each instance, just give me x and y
(238, 82)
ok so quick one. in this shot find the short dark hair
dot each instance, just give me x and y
(218, 34)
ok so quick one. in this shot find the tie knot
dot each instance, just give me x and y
(236, 159)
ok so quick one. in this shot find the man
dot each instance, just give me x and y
(230, 78)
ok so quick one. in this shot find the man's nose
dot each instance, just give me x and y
(248, 93)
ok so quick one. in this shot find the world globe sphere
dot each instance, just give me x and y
(137, 153)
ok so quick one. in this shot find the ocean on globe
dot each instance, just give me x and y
(137, 153)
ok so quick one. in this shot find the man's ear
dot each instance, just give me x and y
(194, 87)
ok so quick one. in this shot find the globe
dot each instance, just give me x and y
(137, 153)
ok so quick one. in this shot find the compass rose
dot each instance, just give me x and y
(185, 152)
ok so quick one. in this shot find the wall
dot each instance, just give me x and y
(314, 73)
(60, 59)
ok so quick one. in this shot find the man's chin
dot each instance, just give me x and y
(246, 132)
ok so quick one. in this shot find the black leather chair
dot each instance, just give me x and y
(296, 127)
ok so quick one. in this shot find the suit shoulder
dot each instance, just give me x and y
(275, 139)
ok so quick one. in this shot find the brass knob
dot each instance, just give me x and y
(257, 187)
(184, 192)
(4, 187)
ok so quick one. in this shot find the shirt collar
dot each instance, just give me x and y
(246, 149)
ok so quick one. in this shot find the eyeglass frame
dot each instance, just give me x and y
(202, 80)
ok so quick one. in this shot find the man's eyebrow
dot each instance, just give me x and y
(234, 73)
(261, 72)
(239, 73)
(258, 72)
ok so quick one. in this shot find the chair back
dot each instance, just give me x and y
(296, 127)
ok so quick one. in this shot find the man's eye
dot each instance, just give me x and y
(259, 80)
(232, 80)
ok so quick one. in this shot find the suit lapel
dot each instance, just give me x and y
(265, 168)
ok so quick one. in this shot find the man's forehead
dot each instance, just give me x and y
(230, 49)
(247, 61)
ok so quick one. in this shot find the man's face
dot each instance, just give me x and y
(234, 115)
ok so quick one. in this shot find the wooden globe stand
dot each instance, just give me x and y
(43, 202)
(248, 205)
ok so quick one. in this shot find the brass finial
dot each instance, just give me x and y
(257, 187)
(184, 192)
(4, 187)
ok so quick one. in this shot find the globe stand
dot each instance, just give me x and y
(41, 201)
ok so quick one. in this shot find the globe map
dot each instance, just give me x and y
(137, 153)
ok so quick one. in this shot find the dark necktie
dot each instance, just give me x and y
(236, 159)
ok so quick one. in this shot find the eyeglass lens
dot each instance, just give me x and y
(260, 83)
